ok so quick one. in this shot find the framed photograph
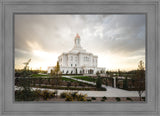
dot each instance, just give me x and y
(79, 57)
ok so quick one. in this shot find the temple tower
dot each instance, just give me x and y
(77, 41)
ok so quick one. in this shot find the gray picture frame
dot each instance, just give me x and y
(7, 10)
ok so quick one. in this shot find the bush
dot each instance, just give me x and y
(52, 94)
(104, 98)
(63, 95)
(118, 99)
(26, 95)
(143, 98)
(81, 97)
(38, 92)
(93, 98)
(74, 95)
(98, 82)
(45, 94)
(128, 98)
(89, 100)
(69, 98)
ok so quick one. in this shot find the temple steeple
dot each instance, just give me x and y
(77, 41)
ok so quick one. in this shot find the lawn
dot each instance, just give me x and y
(67, 79)
(39, 75)
(86, 78)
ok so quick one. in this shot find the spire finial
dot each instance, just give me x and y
(77, 36)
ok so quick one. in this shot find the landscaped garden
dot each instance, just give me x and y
(45, 95)
(34, 86)
(55, 83)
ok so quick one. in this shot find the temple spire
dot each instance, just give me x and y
(77, 41)
(77, 36)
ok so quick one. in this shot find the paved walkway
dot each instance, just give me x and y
(111, 92)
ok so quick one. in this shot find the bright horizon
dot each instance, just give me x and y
(117, 40)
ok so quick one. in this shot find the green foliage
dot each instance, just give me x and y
(118, 99)
(98, 82)
(81, 97)
(86, 78)
(38, 92)
(63, 95)
(140, 79)
(45, 94)
(143, 98)
(125, 83)
(69, 98)
(128, 98)
(56, 72)
(39, 75)
(93, 98)
(104, 98)
(73, 96)
(89, 100)
(25, 95)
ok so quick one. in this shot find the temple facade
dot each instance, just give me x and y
(78, 61)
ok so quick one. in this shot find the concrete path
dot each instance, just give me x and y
(111, 92)
(70, 77)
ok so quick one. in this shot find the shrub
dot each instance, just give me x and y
(63, 95)
(98, 82)
(45, 94)
(74, 95)
(104, 98)
(143, 98)
(118, 99)
(93, 98)
(38, 92)
(52, 94)
(81, 97)
(128, 98)
(89, 100)
(69, 98)
(25, 95)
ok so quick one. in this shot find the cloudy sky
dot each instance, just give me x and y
(118, 40)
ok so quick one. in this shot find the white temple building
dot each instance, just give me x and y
(78, 61)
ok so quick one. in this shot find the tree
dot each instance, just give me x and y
(140, 79)
(56, 74)
(125, 83)
(76, 71)
(98, 81)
